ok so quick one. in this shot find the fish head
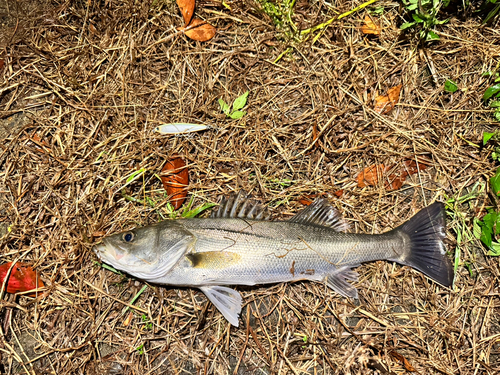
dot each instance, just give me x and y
(148, 252)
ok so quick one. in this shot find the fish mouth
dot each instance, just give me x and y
(107, 253)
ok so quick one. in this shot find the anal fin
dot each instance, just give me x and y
(338, 281)
(228, 301)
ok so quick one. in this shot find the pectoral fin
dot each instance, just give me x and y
(338, 281)
(227, 300)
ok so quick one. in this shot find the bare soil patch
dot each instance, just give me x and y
(90, 80)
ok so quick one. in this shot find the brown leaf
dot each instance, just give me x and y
(22, 278)
(403, 360)
(307, 199)
(394, 182)
(339, 193)
(385, 103)
(412, 166)
(187, 9)
(128, 319)
(371, 175)
(369, 27)
(199, 30)
(175, 180)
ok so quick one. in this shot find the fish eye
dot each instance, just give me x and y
(128, 237)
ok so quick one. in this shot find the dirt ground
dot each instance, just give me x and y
(84, 84)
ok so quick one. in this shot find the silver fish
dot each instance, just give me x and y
(238, 245)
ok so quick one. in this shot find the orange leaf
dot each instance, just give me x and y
(403, 360)
(395, 182)
(128, 319)
(370, 27)
(339, 193)
(187, 9)
(22, 278)
(199, 30)
(176, 180)
(371, 175)
(412, 166)
(385, 103)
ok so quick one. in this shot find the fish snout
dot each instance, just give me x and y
(103, 252)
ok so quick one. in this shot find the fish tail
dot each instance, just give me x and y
(424, 248)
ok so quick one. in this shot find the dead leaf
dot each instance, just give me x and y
(22, 278)
(403, 360)
(187, 9)
(307, 199)
(394, 181)
(369, 27)
(175, 180)
(385, 103)
(339, 193)
(412, 166)
(371, 175)
(199, 30)
(127, 321)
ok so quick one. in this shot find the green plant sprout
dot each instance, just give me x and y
(488, 228)
(460, 221)
(238, 104)
(147, 323)
(424, 14)
(492, 94)
(450, 86)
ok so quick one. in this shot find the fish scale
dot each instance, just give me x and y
(239, 246)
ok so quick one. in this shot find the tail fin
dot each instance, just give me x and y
(426, 231)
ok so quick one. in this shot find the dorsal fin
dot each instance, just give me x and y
(241, 206)
(320, 212)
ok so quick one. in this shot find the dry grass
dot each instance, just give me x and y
(95, 78)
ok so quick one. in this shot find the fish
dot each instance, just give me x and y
(239, 245)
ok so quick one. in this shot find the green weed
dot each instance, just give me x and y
(460, 220)
(238, 104)
(424, 14)
(488, 229)
(492, 94)
(281, 12)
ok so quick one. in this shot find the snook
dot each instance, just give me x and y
(238, 245)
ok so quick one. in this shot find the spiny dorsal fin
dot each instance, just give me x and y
(321, 213)
(241, 206)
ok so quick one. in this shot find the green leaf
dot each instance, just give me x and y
(431, 35)
(109, 268)
(496, 114)
(487, 74)
(135, 175)
(494, 249)
(487, 229)
(450, 86)
(407, 25)
(417, 18)
(495, 183)
(224, 106)
(491, 91)
(237, 114)
(240, 102)
(486, 137)
(197, 211)
(495, 104)
(476, 228)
